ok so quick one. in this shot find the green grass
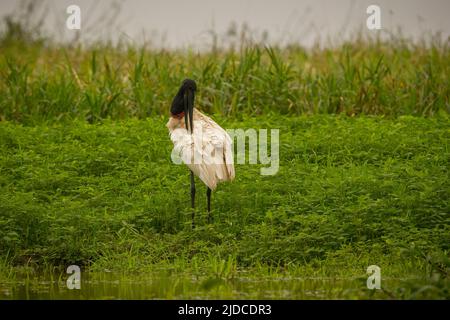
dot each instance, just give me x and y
(41, 82)
(350, 192)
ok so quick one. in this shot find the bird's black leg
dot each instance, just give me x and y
(208, 196)
(193, 198)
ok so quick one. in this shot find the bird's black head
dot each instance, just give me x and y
(188, 87)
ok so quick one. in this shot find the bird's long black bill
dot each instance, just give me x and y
(189, 111)
(190, 101)
(186, 111)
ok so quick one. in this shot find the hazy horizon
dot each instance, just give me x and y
(178, 24)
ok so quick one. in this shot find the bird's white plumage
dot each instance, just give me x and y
(208, 151)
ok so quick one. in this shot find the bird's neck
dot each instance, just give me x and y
(177, 121)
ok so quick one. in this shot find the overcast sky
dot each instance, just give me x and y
(180, 23)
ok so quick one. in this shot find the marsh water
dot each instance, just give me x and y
(171, 286)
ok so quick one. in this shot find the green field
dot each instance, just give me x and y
(350, 192)
(86, 176)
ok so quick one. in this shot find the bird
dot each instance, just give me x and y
(203, 146)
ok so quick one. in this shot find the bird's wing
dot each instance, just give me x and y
(219, 136)
(207, 152)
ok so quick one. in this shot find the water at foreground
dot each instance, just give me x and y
(166, 286)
